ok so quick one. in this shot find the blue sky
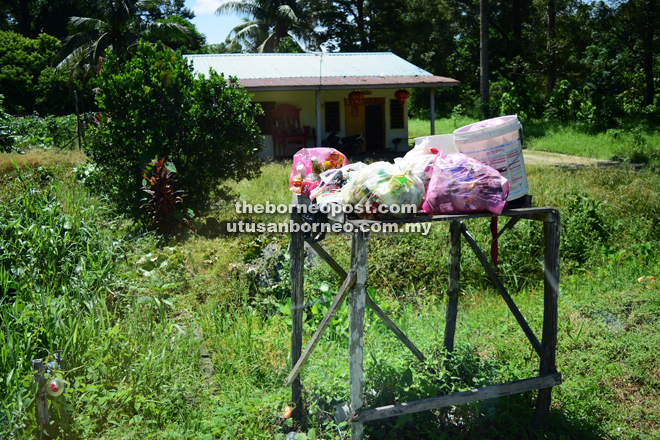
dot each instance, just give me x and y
(215, 27)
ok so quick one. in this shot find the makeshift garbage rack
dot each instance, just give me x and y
(354, 286)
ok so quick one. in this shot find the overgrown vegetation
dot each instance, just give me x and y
(122, 305)
(154, 107)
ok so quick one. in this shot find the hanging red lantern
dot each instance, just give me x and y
(355, 98)
(402, 95)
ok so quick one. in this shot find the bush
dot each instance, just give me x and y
(154, 107)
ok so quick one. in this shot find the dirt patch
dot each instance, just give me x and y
(556, 159)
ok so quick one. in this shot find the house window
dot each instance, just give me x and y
(332, 116)
(396, 114)
(265, 121)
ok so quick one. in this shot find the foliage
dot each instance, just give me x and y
(25, 79)
(268, 23)
(163, 202)
(192, 41)
(111, 25)
(7, 135)
(155, 107)
(48, 132)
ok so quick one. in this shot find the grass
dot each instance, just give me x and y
(628, 145)
(122, 305)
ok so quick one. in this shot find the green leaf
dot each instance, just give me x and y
(170, 167)
(406, 380)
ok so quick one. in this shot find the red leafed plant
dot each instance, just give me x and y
(163, 202)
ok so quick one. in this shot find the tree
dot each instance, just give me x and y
(162, 9)
(155, 107)
(24, 75)
(270, 21)
(191, 42)
(483, 58)
(112, 25)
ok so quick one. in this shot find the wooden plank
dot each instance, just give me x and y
(356, 307)
(503, 292)
(392, 326)
(370, 302)
(41, 402)
(551, 232)
(544, 214)
(453, 284)
(339, 299)
(297, 261)
(520, 386)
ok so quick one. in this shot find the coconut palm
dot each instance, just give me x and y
(270, 21)
(113, 25)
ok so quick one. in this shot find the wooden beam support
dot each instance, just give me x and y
(500, 287)
(336, 303)
(357, 297)
(453, 284)
(297, 267)
(546, 381)
(369, 301)
(551, 233)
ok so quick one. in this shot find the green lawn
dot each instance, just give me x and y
(122, 304)
(630, 145)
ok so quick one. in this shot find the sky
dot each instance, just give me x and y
(215, 27)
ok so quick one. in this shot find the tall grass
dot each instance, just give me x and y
(65, 285)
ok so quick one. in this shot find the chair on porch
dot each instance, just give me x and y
(288, 135)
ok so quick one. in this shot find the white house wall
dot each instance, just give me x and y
(306, 101)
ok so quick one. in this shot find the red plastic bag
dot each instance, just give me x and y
(309, 163)
(460, 184)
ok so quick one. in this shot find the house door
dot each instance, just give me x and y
(369, 121)
(374, 128)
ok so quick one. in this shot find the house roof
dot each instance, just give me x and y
(311, 71)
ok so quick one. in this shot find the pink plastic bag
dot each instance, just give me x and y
(460, 184)
(304, 177)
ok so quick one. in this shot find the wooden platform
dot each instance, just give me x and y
(354, 287)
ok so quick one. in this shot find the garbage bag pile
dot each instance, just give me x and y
(425, 178)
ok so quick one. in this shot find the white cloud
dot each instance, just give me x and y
(205, 7)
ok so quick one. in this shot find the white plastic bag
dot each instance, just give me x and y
(382, 191)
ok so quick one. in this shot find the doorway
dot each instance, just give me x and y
(369, 121)
(374, 128)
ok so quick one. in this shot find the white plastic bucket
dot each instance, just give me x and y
(497, 142)
(443, 142)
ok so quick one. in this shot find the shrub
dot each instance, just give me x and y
(162, 200)
(154, 107)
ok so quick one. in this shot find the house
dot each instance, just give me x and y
(307, 96)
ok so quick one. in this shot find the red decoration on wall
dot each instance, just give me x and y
(355, 97)
(402, 95)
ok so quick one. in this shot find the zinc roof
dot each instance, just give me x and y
(314, 70)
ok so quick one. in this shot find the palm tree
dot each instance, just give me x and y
(270, 21)
(113, 25)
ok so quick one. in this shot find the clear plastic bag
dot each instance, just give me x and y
(382, 191)
(460, 184)
(309, 163)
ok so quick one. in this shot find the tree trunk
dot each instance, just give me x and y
(23, 18)
(364, 42)
(648, 52)
(483, 45)
(552, 13)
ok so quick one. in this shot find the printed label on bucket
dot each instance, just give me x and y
(508, 160)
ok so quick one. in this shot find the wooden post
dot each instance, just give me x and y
(551, 231)
(453, 283)
(41, 403)
(432, 103)
(359, 252)
(317, 95)
(297, 261)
